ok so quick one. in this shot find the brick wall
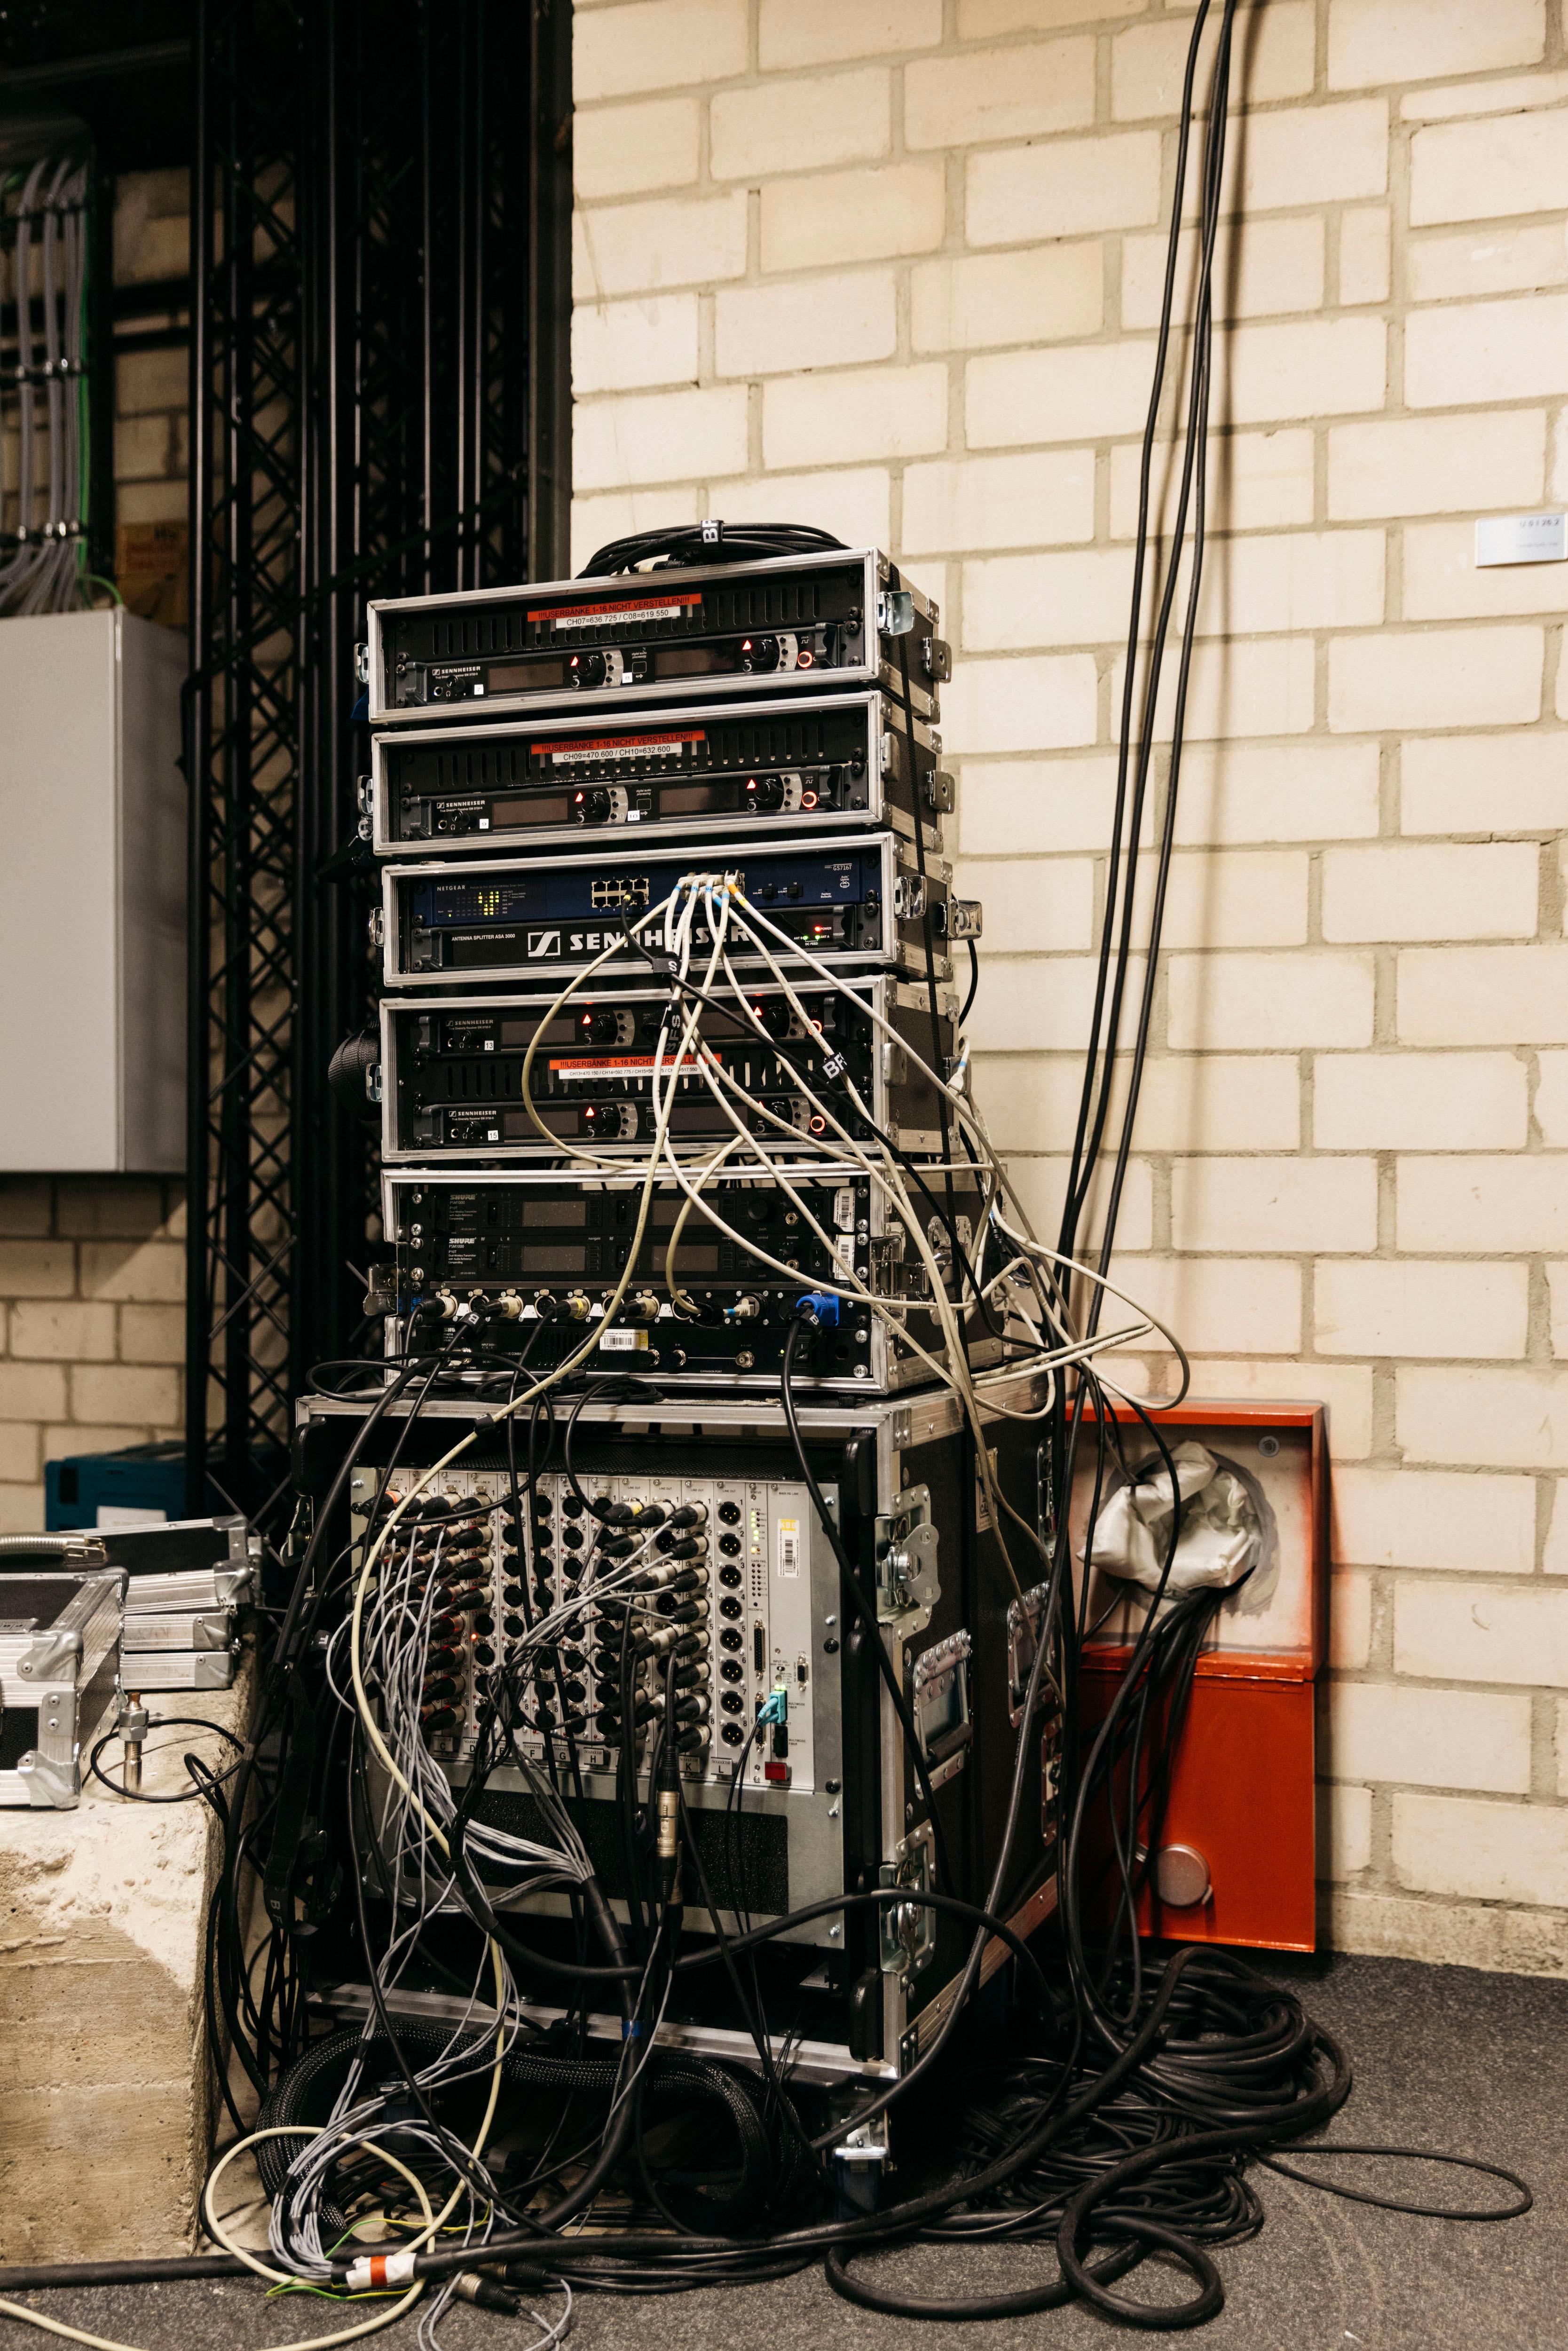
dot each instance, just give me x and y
(151, 243)
(93, 1268)
(92, 1277)
(893, 266)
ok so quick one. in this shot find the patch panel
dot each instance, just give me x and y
(496, 1574)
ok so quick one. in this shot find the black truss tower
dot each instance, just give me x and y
(379, 405)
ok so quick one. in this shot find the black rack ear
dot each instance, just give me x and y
(316, 1454)
(861, 1700)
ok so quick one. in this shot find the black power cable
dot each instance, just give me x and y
(182, 1795)
(708, 543)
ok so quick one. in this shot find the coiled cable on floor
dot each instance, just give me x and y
(305, 2093)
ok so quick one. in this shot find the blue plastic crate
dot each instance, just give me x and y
(150, 1479)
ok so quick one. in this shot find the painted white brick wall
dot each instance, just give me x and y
(894, 266)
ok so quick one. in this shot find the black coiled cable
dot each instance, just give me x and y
(761, 2173)
(747, 543)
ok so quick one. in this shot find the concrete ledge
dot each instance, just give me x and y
(106, 2080)
(1487, 1935)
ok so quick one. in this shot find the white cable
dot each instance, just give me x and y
(370, 2325)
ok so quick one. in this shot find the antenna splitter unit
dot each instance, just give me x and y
(815, 764)
(794, 623)
(536, 1256)
(452, 1070)
(858, 901)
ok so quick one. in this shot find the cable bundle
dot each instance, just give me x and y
(46, 571)
(998, 1276)
(705, 542)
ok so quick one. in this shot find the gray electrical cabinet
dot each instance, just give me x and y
(92, 936)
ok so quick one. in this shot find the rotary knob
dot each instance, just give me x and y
(1181, 1877)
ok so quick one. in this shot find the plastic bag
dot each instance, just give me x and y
(1220, 1534)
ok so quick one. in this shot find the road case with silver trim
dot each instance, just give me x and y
(59, 1632)
(179, 1669)
(831, 1801)
(781, 766)
(781, 623)
(182, 1628)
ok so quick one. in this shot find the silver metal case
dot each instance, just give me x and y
(890, 1087)
(619, 614)
(179, 1669)
(557, 938)
(189, 1588)
(59, 1631)
(633, 762)
(182, 1628)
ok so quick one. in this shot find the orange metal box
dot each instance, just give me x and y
(1237, 1841)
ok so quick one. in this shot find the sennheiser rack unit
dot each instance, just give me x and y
(830, 1799)
(795, 622)
(813, 764)
(528, 1261)
(857, 902)
(452, 1070)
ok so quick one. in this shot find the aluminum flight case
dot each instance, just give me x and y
(59, 1636)
(179, 1669)
(841, 1808)
(788, 623)
(220, 1554)
(189, 1588)
(816, 764)
(450, 1069)
(179, 1629)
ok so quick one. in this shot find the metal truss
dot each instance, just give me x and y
(380, 406)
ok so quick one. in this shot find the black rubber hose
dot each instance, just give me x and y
(956, 2309)
(148, 2273)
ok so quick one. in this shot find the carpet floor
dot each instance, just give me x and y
(1445, 2058)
